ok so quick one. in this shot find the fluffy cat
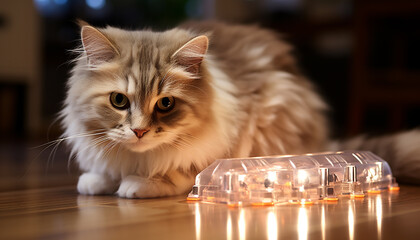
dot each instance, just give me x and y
(146, 111)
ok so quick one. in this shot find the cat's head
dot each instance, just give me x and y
(142, 89)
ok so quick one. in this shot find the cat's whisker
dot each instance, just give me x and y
(91, 144)
(98, 141)
(86, 134)
(109, 148)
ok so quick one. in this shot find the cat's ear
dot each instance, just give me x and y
(97, 46)
(191, 54)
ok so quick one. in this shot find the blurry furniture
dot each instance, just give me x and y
(386, 69)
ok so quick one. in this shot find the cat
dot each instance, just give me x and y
(146, 111)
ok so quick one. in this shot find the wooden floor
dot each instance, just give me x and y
(52, 209)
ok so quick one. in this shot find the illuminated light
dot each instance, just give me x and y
(306, 202)
(233, 205)
(272, 176)
(229, 227)
(302, 176)
(302, 202)
(193, 199)
(351, 222)
(302, 226)
(331, 199)
(357, 195)
(96, 4)
(272, 226)
(323, 222)
(301, 188)
(379, 216)
(210, 198)
(394, 189)
(241, 225)
(197, 221)
(260, 204)
(374, 191)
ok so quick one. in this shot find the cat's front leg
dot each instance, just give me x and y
(173, 183)
(91, 183)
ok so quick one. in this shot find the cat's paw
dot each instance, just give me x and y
(139, 187)
(93, 184)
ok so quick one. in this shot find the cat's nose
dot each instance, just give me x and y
(140, 132)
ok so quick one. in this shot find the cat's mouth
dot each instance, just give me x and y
(140, 145)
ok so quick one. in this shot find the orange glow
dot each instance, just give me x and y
(306, 202)
(233, 205)
(331, 199)
(193, 199)
(259, 204)
(394, 189)
(357, 195)
(374, 191)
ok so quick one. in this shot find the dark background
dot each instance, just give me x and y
(362, 55)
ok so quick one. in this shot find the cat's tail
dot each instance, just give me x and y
(400, 150)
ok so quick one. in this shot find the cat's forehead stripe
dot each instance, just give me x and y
(131, 85)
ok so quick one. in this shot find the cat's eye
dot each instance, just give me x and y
(165, 104)
(119, 101)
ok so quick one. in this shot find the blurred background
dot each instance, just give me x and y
(363, 56)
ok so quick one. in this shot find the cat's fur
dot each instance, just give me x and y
(237, 93)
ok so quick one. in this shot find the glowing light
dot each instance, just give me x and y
(303, 224)
(302, 176)
(272, 231)
(96, 4)
(197, 222)
(351, 222)
(301, 188)
(272, 176)
(228, 227)
(379, 216)
(323, 222)
(241, 225)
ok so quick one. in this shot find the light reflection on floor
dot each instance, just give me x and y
(272, 226)
(351, 220)
(379, 215)
(303, 225)
(286, 221)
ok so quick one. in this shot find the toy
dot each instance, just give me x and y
(302, 179)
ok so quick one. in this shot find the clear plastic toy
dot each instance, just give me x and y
(293, 179)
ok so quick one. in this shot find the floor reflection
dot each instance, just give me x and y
(272, 225)
(323, 222)
(229, 227)
(291, 221)
(379, 216)
(242, 225)
(351, 219)
(197, 221)
(302, 226)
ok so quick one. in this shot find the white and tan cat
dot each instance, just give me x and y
(146, 111)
